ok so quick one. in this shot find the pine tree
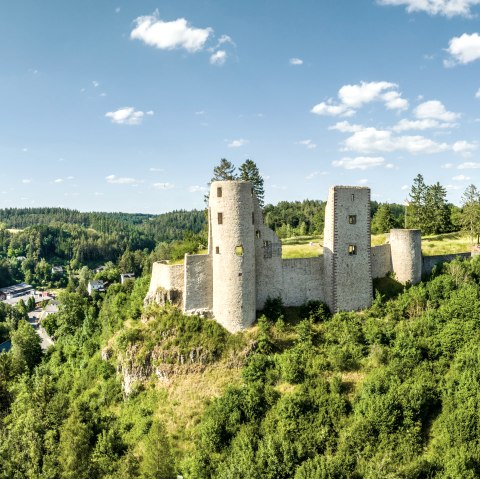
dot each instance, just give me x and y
(416, 208)
(249, 172)
(383, 220)
(470, 215)
(225, 171)
(158, 460)
(436, 218)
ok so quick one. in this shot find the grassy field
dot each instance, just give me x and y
(309, 246)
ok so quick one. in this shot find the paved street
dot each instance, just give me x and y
(33, 319)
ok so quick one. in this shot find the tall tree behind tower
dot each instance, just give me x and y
(249, 172)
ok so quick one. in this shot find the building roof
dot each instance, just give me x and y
(16, 288)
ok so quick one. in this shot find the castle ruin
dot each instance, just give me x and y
(244, 266)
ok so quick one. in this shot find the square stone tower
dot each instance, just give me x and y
(346, 243)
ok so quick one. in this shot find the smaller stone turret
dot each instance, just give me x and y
(406, 251)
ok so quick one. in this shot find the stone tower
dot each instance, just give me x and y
(232, 246)
(406, 251)
(347, 256)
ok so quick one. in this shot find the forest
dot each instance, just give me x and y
(392, 391)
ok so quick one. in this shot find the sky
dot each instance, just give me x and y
(119, 105)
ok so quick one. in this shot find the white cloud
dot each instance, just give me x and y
(328, 108)
(435, 110)
(448, 166)
(225, 39)
(296, 61)
(363, 181)
(345, 127)
(26, 181)
(460, 178)
(169, 35)
(115, 180)
(218, 58)
(463, 49)
(448, 8)
(155, 169)
(477, 95)
(371, 140)
(58, 180)
(464, 147)
(150, 113)
(95, 83)
(405, 187)
(353, 97)
(424, 124)
(452, 187)
(197, 189)
(70, 177)
(237, 143)
(163, 186)
(359, 163)
(308, 143)
(125, 116)
(469, 165)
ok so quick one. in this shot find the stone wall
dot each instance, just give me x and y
(198, 283)
(303, 280)
(381, 261)
(406, 248)
(167, 276)
(428, 262)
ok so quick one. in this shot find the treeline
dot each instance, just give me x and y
(164, 227)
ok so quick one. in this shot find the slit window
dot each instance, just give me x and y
(253, 218)
(352, 219)
(217, 249)
(352, 249)
(252, 191)
(353, 197)
(257, 234)
(219, 192)
(239, 250)
(220, 218)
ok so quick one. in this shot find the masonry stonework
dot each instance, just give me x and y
(244, 265)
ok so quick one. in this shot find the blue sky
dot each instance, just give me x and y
(128, 106)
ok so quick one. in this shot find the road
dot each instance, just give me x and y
(33, 319)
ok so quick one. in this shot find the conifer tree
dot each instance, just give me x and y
(470, 215)
(416, 208)
(158, 460)
(225, 171)
(383, 220)
(249, 172)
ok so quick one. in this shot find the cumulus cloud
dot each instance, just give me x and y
(26, 181)
(126, 116)
(218, 58)
(345, 127)
(425, 124)
(163, 186)
(197, 189)
(296, 61)
(115, 180)
(363, 181)
(469, 165)
(58, 180)
(170, 35)
(460, 178)
(463, 49)
(237, 143)
(448, 8)
(353, 97)
(309, 144)
(371, 140)
(435, 110)
(359, 163)
(464, 147)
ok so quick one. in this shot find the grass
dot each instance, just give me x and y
(449, 243)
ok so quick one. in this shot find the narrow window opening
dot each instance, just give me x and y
(220, 218)
(352, 219)
(239, 250)
(252, 191)
(217, 249)
(253, 218)
(353, 197)
(219, 192)
(352, 249)
(257, 234)
(267, 249)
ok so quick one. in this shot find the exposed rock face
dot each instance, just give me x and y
(162, 297)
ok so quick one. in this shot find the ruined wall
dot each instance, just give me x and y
(406, 248)
(198, 283)
(268, 261)
(166, 276)
(381, 260)
(233, 253)
(328, 250)
(428, 262)
(351, 268)
(303, 280)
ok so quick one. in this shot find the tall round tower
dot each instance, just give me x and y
(232, 246)
(406, 248)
